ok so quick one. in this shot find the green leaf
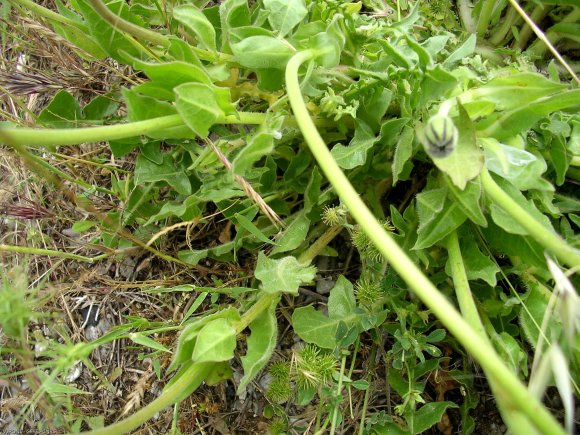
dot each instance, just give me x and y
(140, 108)
(429, 415)
(526, 116)
(355, 154)
(100, 107)
(437, 217)
(172, 74)
(294, 235)
(198, 106)
(260, 145)
(112, 41)
(312, 193)
(511, 352)
(143, 340)
(535, 306)
(516, 91)
(463, 51)
(252, 229)
(260, 343)
(466, 162)
(503, 217)
(284, 15)
(81, 39)
(234, 13)
(403, 152)
(328, 49)
(262, 52)
(216, 341)
(523, 250)
(314, 327)
(148, 172)
(341, 301)
(282, 275)
(186, 210)
(83, 225)
(62, 112)
(197, 23)
(188, 336)
(522, 168)
(469, 200)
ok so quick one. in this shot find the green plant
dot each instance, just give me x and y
(252, 82)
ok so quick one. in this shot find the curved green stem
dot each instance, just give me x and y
(552, 242)
(417, 281)
(191, 378)
(119, 23)
(48, 14)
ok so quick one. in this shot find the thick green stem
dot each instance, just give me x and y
(462, 289)
(417, 281)
(314, 249)
(485, 16)
(552, 242)
(51, 253)
(499, 34)
(75, 136)
(192, 377)
(465, 15)
(536, 16)
(514, 419)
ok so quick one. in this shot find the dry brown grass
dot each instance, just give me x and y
(38, 213)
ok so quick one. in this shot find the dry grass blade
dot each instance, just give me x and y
(25, 83)
(136, 395)
(252, 194)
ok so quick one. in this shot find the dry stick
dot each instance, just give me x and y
(252, 194)
(545, 40)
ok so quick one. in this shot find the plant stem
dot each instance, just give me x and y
(552, 242)
(193, 376)
(262, 304)
(462, 290)
(120, 24)
(49, 15)
(73, 136)
(499, 34)
(536, 16)
(338, 394)
(404, 266)
(484, 17)
(465, 15)
(514, 419)
(52, 253)
(314, 249)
